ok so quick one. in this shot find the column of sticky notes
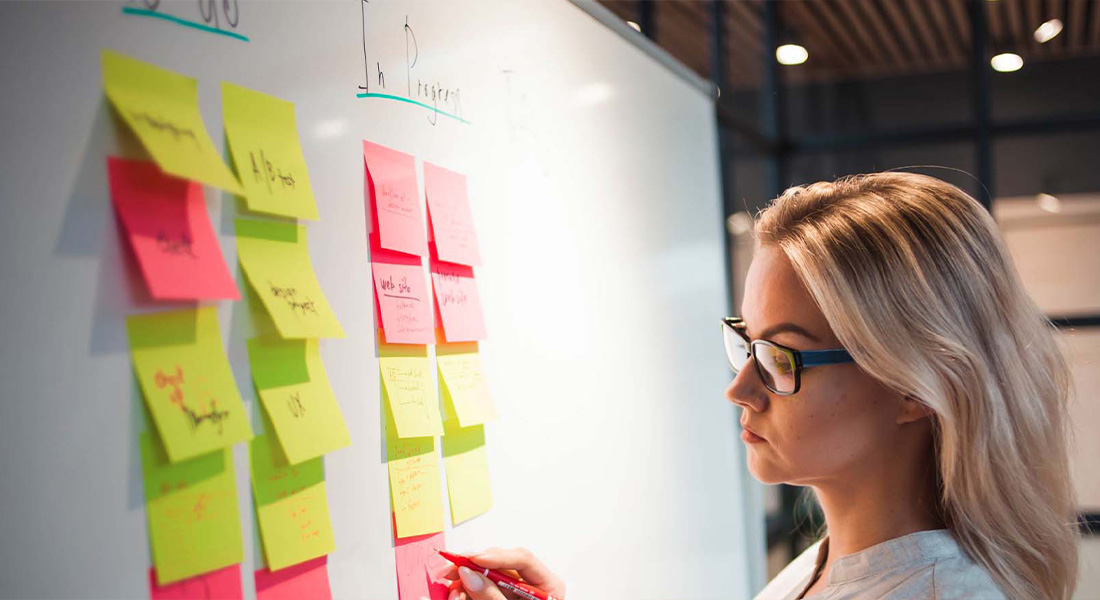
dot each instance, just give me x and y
(409, 316)
(178, 357)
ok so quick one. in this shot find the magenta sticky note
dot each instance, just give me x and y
(394, 202)
(458, 301)
(449, 214)
(403, 299)
(223, 584)
(419, 567)
(167, 225)
(303, 580)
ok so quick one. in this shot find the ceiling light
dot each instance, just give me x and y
(1048, 31)
(791, 54)
(1006, 62)
(1049, 203)
(634, 26)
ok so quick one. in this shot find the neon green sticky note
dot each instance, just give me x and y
(408, 386)
(191, 505)
(275, 258)
(263, 139)
(296, 394)
(162, 109)
(466, 462)
(291, 505)
(465, 390)
(414, 483)
(186, 381)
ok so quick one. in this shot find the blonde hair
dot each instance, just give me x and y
(913, 277)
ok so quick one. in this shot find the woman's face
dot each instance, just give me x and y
(841, 423)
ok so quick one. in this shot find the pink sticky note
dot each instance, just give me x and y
(166, 221)
(449, 214)
(418, 566)
(223, 584)
(393, 199)
(457, 301)
(403, 299)
(304, 580)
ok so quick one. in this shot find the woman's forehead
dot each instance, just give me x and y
(775, 295)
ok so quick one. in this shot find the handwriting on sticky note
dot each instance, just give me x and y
(450, 216)
(459, 302)
(464, 384)
(414, 484)
(394, 203)
(408, 390)
(418, 564)
(167, 226)
(404, 304)
(210, 412)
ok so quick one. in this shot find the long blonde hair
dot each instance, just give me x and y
(913, 277)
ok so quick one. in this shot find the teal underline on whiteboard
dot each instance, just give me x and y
(401, 99)
(141, 12)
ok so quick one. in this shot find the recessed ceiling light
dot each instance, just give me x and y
(791, 54)
(1006, 62)
(1048, 31)
(634, 26)
(1049, 203)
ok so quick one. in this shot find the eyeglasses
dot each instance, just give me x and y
(779, 367)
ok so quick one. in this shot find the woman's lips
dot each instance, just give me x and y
(750, 436)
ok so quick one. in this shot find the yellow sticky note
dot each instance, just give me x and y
(263, 139)
(414, 483)
(191, 505)
(291, 505)
(162, 109)
(296, 394)
(466, 462)
(186, 381)
(275, 258)
(407, 386)
(465, 390)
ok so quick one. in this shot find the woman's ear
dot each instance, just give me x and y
(913, 409)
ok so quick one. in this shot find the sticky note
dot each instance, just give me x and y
(162, 109)
(275, 258)
(186, 381)
(394, 202)
(191, 506)
(291, 505)
(305, 580)
(465, 390)
(450, 216)
(413, 467)
(263, 139)
(223, 584)
(408, 390)
(419, 566)
(169, 230)
(466, 462)
(403, 299)
(296, 394)
(458, 301)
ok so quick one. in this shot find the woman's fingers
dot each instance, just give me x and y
(529, 568)
(478, 587)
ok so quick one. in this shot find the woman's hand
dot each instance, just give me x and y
(517, 562)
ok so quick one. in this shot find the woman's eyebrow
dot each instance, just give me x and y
(791, 327)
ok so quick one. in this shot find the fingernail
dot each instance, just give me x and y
(472, 581)
(453, 595)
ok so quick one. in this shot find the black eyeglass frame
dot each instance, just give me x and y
(801, 359)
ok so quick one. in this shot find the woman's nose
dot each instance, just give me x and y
(747, 391)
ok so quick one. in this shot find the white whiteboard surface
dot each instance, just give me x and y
(594, 184)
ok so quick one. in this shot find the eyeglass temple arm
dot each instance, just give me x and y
(817, 358)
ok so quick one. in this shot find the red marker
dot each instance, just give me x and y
(504, 582)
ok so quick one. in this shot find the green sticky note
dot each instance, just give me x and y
(408, 385)
(291, 505)
(465, 391)
(413, 467)
(194, 522)
(263, 139)
(296, 394)
(186, 381)
(275, 258)
(466, 462)
(162, 109)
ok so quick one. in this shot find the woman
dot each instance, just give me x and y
(900, 371)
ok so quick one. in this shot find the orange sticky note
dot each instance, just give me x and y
(458, 301)
(169, 230)
(450, 217)
(394, 202)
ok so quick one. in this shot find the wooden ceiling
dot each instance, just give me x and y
(860, 39)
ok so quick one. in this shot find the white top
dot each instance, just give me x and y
(926, 565)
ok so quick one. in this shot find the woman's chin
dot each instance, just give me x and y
(765, 471)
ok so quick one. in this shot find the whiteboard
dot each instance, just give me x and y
(594, 183)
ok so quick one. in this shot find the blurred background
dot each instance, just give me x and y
(1004, 95)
